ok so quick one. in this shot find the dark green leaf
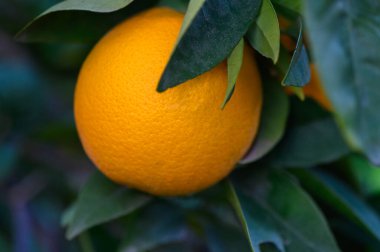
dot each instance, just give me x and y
(272, 122)
(345, 38)
(365, 175)
(234, 62)
(213, 33)
(154, 226)
(80, 21)
(191, 11)
(293, 5)
(221, 237)
(100, 201)
(264, 34)
(340, 197)
(309, 144)
(298, 73)
(258, 226)
(178, 5)
(303, 226)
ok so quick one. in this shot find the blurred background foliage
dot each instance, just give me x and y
(41, 161)
(43, 167)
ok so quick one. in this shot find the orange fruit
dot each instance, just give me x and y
(171, 143)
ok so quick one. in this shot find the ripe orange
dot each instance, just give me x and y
(171, 143)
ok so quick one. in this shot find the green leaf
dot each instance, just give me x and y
(258, 227)
(298, 73)
(234, 62)
(264, 34)
(272, 122)
(78, 20)
(365, 175)
(339, 196)
(345, 38)
(191, 11)
(309, 144)
(68, 215)
(301, 223)
(219, 236)
(213, 33)
(100, 201)
(293, 5)
(153, 227)
(179, 5)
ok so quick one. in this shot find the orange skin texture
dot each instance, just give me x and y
(173, 143)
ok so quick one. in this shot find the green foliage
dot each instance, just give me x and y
(234, 62)
(312, 139)
(267, 205)
(298, 73)
(208, 28)
(272, 122)
(340, 197)
(264, 34)
(349, 71)
(100, 201)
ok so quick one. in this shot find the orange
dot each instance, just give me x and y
(172, 143)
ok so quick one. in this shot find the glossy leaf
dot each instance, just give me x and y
(258, 226)
(339, 196)
(298, 73)
(272, 122)
(309, 144)
(345, 38)
(234, 62)
(301, 223)
(215, 30)
(100, 201)
(264, 34)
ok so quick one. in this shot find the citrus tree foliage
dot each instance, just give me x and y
(309, 181)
